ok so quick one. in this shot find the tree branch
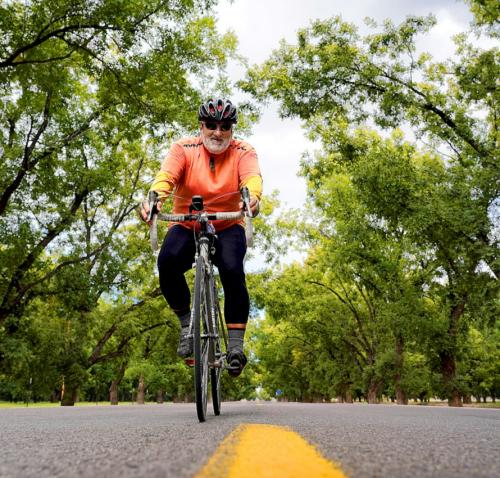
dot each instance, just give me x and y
(353, 310)
(28, 165)
(8, 302)
(367, 300)
(121, 346)
(63, 264)
(429, 106)
(11, 59)
(356, 351)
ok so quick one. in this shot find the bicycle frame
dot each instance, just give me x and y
(204, 249)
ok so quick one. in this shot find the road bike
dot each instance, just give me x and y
(207, 327)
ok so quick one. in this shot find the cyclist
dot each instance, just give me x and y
(214, 165)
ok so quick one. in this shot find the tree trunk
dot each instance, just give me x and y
(401, 398)
(467, 399)
(140, 391)
(448, 359)
(372, 391)
(70, 396)
(113, 393)
(55, 396)
(348, 396)
(448, 368)
(113, 389)
(345, 395)
(160, 396)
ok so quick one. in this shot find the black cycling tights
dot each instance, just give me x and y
(177, 256)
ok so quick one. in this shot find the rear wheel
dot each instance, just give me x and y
(200, 339)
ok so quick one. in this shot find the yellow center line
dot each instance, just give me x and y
(267, 451)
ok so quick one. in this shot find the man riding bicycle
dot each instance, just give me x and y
(213, 165)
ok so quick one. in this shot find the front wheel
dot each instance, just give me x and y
(200, 339)
(216, 347)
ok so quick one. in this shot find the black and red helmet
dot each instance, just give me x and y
(218, 110)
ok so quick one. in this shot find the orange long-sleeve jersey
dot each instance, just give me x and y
(190, 169)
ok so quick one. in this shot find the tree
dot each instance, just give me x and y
(91, 91)
(444, 201)
(486, 13)
(88, 89)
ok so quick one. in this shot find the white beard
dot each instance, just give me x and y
(215, 146)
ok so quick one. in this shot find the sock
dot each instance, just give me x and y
(185, 319)
(236, 339)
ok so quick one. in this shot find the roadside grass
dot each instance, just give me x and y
(444, 403)
(484, 405)
(56, 404)
(3, 404)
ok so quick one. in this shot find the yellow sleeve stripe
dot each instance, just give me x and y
(254, 185)
(162, 184)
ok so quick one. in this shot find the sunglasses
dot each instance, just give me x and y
(212, 125)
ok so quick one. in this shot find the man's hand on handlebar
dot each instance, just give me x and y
(254, 206)
(145, 208)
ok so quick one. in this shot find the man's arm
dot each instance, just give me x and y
(166, 179)
(163, 184)
(249, 173)
(254, 185)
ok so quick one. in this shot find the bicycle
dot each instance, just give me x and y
(209, 345)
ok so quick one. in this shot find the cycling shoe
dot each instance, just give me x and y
(185, 348)
(236, 362)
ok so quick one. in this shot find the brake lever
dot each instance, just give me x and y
(152, 219)
(245, 195)
(152, 200)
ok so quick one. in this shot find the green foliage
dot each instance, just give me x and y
(91, 91)
(405, 238)
(486, 13)
(398, 295)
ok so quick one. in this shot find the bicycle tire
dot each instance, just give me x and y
(215, 372)
(215, 345)
(216, 395)
(200, 340)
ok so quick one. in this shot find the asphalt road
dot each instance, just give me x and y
(167, 440)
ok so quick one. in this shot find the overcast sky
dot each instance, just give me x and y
(261, 24)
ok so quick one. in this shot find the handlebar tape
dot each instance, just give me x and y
(193, 217)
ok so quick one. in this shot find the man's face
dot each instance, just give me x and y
(216, 135)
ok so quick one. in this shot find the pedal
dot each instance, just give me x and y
(189, 362)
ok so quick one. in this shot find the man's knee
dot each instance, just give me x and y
(177, 251)
(168, 259)
(232, 274)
